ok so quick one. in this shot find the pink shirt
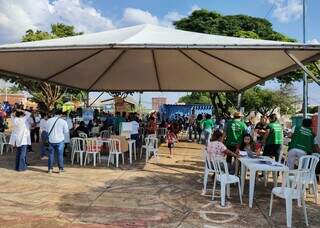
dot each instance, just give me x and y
(216, 148)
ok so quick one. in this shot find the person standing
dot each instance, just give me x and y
(234, 131)
(192, 123)
(37, 118)
(56, 128)
(20, 137)
(199, 127)
(303, 142)
(207, 125)
(44, 136)
(273, 138)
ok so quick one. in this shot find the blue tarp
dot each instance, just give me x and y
(170, 111)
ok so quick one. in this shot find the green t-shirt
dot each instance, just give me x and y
(276, 134)
(303, 139)
(207, 124)
(235, 130)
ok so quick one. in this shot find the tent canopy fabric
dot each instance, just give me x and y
(153, 58)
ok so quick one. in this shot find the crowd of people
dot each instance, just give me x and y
(220, 136)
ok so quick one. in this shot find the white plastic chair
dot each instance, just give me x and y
(162, 133)
(225, 179)
(105, 134)
(115, 149)
(83, 135)
(146, 143)
(92, 147)
(207, 170)
(77, 145)
(292, 189)
(309, 163)
(318, 156)
(4, 144)
(150, 147)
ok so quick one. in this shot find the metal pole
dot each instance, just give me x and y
(239, 101)
(305, 77)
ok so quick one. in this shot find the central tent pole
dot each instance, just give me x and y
(305, 77)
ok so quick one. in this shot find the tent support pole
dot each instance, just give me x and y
(156, 69)
(96, 99)
(303, 67)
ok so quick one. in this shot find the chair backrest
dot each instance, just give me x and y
(105, 134)
(83, 135)
(114, 145)
(309, 163)
(207, 161)
(77, 144)
(294, 180)
(220, 165)
(162, 132)
(3, 138)
(92, 145)
(152, 142)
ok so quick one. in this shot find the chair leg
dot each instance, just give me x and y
(240, 194)
(205, 181)
(122, 158)
(315, 189)
(99, 156)
(289, 211)
(81, 158)
(117, 160)
(214, 186)
(228, 190)
(109, 158)
(72, 158)
(223, 194)
(147, 155)
(85, 159)
(94, 155)
(305, 211)
(271, 202)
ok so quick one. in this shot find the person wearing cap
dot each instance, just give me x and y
(207, 126)
(303, 142)
(233, 133)
(273, 138)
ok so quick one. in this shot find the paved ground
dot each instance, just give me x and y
(166, 194)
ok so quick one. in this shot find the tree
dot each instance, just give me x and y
(210, 22)
(266, 101)
(195, 98)
(47, 95)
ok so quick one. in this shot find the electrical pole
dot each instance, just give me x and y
(305, 77)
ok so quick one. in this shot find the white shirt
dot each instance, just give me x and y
(135, 127)
(37, 119)
(21, 131)
(58, 131)
(43, 125)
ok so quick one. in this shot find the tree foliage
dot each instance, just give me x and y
(47, 95)
(211, 22)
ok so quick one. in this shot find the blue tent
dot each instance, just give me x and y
(168, 111)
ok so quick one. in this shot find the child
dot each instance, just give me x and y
(171, 138)
(248, 145)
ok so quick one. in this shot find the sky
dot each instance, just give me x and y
(17, 16)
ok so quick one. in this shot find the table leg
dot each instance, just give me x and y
(243, 177)
(135, 150)
(251, 186)
(130, 152)
(275, 178)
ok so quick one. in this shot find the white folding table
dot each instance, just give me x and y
(254, 165)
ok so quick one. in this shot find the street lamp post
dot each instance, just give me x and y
(305, 78)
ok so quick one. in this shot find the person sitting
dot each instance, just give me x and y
(248, 145)
(303, 142)
(81, 128)
(216, 148)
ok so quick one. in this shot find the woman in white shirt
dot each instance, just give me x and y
(20, 137)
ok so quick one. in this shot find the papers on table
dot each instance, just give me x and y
(243, 153)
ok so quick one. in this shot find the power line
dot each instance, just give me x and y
(270, 10)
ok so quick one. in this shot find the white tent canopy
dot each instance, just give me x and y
(153, 58)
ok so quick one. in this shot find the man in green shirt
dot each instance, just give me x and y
(302, 143)
(233, 133)
(273, 138)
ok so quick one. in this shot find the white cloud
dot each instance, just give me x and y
(194, 8)
(287, 10)
(133, 16)
(17, 16)
(313, 41)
